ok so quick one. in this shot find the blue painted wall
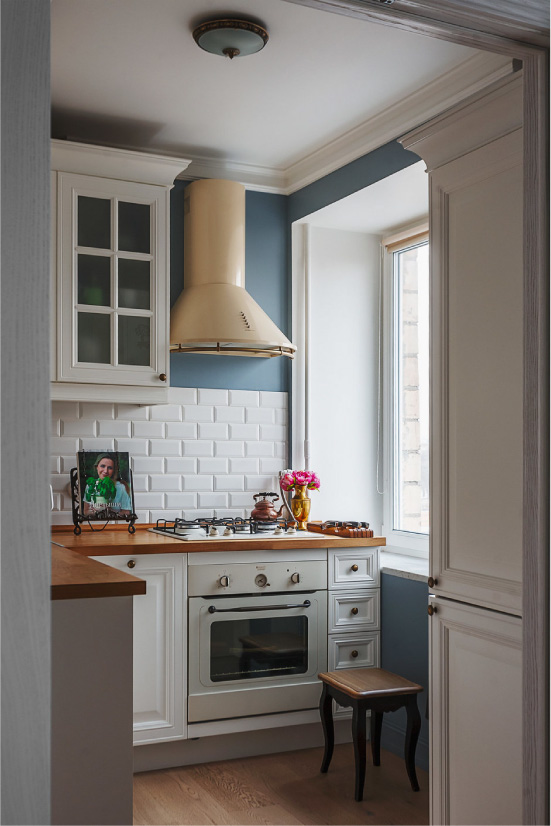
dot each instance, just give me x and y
(405, 651)
(268, 266)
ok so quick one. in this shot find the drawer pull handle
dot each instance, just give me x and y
(131, 563)
(354, 654)
(162, 377)
(354, 568)
(354, 611)
(432, 609)
(432, 582)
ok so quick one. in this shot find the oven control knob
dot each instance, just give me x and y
(261, 580)
(295, 577)
(224, 581)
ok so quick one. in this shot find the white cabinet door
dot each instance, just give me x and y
(475, 715)
(160, 634)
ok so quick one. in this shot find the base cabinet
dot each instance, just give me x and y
(160, 636)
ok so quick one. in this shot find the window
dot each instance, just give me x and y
(406, 393)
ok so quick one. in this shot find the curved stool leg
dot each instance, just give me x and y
(376, 726)
(326, 713)
(359, 739)
(412, 735)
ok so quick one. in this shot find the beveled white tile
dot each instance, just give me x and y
(244, 431)
(213, 431)
(229, 448)
(229, 414)
(210, 465)
(165, 447)
(98, 444)
(184, 499)
(78, 427)
(147, 464)
(181, 430)
(117, 428)
(272, 398)
(260, 415)
(198, 448)
(244, 466)
(212, 396)
(166, 413)
(228, 482)
(273, 432)
(132, 413)
(196, 483)
(259, 449)
(257, 483)
(97, 410)
(148, 430)
(198, 413)
(165, 482)
(245, 398)
(135, 447)
(213, 500)
(181, 464)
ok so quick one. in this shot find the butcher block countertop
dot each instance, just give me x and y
(74, 576)
(117, 541)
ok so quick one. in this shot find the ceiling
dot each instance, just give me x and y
(326, 89)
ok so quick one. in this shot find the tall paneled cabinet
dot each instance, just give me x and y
(111, 272)
(474, 159)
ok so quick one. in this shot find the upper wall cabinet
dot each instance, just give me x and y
(111, 273)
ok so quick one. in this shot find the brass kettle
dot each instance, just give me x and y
(264, 509)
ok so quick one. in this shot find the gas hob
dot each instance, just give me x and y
(230, 529)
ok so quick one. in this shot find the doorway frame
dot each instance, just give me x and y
(481, 34)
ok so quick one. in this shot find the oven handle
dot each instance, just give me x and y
(214, 610)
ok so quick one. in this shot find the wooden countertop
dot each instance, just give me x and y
(74, 576)
(118, 541)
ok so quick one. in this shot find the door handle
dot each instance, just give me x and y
(243, 610)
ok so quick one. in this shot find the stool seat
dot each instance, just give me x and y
(377, 691)
(369, 682)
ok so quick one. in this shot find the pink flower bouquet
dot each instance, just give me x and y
(298, 478)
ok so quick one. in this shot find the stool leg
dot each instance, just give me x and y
(358, 737)
(376, 726)
(326, 714)
(412, 735)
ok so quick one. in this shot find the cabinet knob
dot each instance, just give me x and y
(131, 563)
(432, 582)
(162, 376)
(354, 568)
(432, 609)
(354, 654)
(354, 611)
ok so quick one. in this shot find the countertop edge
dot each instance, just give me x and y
(406, 567)
(74, 576)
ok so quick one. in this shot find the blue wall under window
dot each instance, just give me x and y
(268, 222)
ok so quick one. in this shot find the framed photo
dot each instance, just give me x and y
(104, 485)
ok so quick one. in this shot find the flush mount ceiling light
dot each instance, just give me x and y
(230, 38)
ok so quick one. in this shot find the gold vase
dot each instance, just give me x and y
(300, 505)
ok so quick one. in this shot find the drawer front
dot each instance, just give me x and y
(353, 651)
(351, 568)
(354, 610)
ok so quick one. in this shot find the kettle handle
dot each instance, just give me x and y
(264, 495)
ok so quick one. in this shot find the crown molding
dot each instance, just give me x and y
(433, 98)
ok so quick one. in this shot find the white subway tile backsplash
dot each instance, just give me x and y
(165, 447)
(273, 399)
(228, 482)
(196, 413)
(180, 464)
(147, 464)
(244, 431)
(165, 482)
(273, 432)
(213, 500)
(197, 482)
(115, 428)
(218, 465)
(143, 516)
(229, 448)
(166, 413)
(205, 452)
(185, 499)
(259, 449)
(198, 448)
(181, 430)
(260, 415)
(244, 466)
(213, 431)
(212, 396)
(230, 414)
(148, 430)
(245, 398)
(78, 427)
(230, 513)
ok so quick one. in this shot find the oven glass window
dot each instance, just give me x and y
(249, 649)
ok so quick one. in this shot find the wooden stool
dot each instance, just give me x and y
(375, 690)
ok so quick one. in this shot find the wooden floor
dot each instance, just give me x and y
(278, 789)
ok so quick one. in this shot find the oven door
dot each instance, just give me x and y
(255, 654)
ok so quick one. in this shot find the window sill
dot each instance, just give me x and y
(407, 567)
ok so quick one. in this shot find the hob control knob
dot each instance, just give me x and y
(295, 577)
(224, 581)
(261, 580)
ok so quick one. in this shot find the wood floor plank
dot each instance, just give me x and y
(280, 790)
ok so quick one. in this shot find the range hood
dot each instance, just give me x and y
(214, 313)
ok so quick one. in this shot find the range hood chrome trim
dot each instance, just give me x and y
(215, 314)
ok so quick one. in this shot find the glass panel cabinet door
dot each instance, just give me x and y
(113, 280)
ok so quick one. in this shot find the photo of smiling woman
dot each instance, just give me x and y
(104, 483)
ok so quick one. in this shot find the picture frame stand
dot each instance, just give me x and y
(106, 515)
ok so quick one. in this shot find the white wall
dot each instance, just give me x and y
(343, 374)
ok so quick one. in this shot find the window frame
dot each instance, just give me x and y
(400, 542)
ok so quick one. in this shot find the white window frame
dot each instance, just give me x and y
(400, 542)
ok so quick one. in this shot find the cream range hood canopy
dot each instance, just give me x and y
(214, 313)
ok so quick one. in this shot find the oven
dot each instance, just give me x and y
(257, 633)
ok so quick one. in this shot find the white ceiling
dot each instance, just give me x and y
(127, 72)
(382, 208)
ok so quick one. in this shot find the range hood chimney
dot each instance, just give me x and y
(214, 313)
